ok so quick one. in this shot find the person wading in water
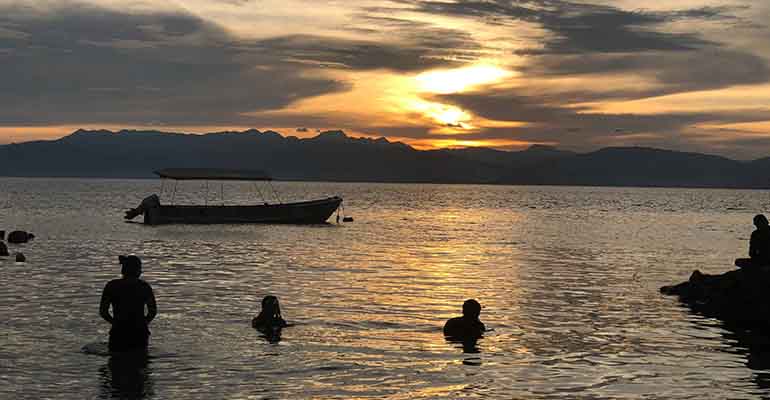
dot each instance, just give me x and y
(128, 297)
(468, 326)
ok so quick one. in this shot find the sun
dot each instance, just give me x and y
(445, 114)
(460, 79)
(453, 119)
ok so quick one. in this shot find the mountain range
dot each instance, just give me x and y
(334, 156)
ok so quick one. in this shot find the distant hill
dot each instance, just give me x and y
(333, 156)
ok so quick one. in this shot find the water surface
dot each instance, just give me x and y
(568, 278)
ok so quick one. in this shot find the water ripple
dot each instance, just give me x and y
(568, 279)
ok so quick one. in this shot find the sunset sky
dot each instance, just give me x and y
(688, 75)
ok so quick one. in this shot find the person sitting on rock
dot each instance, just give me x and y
(467, 327)
(759, 245)
(269, 320)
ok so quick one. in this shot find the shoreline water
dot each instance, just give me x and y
(570, 288)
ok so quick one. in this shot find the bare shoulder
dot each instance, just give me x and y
(145, 286)
(111, 285)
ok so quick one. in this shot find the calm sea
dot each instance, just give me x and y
(568, 278)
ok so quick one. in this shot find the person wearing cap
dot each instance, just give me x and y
(467, 327)
(759, 245)
(128, 297)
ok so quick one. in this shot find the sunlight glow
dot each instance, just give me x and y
(460, 79)
(444, 114)
(433, 144)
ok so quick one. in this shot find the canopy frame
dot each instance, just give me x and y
(214, 174)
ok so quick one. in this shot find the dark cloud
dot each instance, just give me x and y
(452, 46)
(94, 65)
(596, 41)
(576, 28)
(669, 72)
(359, 55)
(580, 128)
(84, 64)
(588, 39)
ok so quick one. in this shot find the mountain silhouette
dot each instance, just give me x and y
(334, 156)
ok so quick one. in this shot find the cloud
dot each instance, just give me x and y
(79, 63)
(667, 73)
(577, 28)
(598, 44)
(87, 64)
(583, 39)
(581, 128)
(356, 54)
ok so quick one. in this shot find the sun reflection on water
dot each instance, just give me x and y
(552, 268)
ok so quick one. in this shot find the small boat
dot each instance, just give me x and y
(304, 212)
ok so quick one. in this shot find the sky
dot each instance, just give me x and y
(690, 75)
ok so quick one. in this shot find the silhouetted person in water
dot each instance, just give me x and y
(468, 327)
(269, 320)
(128, 297)
(759, 245)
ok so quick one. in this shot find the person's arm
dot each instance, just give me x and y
(152, 308)
(753, 248)
(104, 305)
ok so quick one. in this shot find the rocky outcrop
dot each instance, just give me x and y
(20, 237)
(740, 296)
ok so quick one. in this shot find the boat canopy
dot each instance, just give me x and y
(216, 174)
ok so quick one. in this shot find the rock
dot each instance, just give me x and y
(2, 235)
(3, 250)
(20, 257)
(20, 237)
(738, 296)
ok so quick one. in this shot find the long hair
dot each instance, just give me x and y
(271, 309)
(760, 220)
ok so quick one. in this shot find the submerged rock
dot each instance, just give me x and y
(20, 258)
(20, 237)
(740, 296)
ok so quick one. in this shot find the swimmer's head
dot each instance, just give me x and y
(270, 305)
(471, 308)
(131, 266)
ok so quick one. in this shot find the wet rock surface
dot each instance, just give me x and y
(740, 297)
(20, 237)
